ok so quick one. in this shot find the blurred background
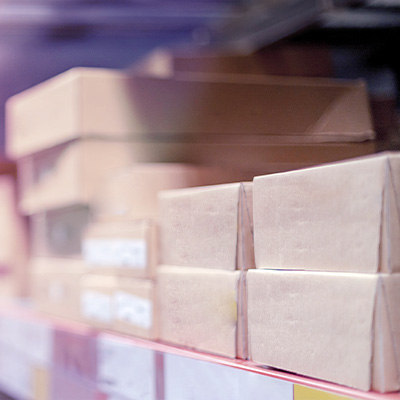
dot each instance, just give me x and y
(345, 39)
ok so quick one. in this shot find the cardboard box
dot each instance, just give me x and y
(124, 248)
(56, 286)
(131, 192)
(207, 227)
(338, 217)
(339, 327)
(41, 384)
(13, 242)
(135, 308)
(97, 300)
(203, 309)
(59, 233)
(69, 174)
(101, 103)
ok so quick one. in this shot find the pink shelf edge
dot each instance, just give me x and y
(81, 328)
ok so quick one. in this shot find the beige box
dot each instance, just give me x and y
(56, 286)
(59, 233)
(97, 300)
(131, 192)
(135, 309)
(13, 242)
(94, 102)
(69, 174)
(207, 227)
(122, 248)
(203, 309)
(339, 327)
(337, 217)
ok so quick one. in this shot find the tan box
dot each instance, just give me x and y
(208, 227)
(56, 286)
(13, 242)
(131, 192)
(41, 383)
(59, 233)
(135, 309)
(124, 248)
(94, 103)
(69, 174)
(97, 300)
(340, 327)
(337, 217)
(203, 309)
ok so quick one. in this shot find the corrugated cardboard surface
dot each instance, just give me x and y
(199, 309)
(96, 102)
(131, 192)
(59, 233)
(337, 217)
(122, 247)
(56, 286)
(208, 227)
(331, 326)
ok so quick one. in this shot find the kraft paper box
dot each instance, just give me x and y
(135, 309)
(203, 309)
(339, 327)
(56, 286)
(13, 242)
(124, 248)
(100, 103)
(207, 227)
(337, 217)
(59, 233)
(131, 192)
(69, 174)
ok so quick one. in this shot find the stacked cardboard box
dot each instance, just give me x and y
(324, 301)
(206, 249)
(13, 237)
(121, 246)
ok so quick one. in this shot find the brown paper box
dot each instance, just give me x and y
(202, 309)
(13, 242)
(131, 192)
(339, 327)
(207, 227)
(135, 309)
(124, 248)
(59, 233)
(337, 217)
(56, 286)
(86, 102)
(69, 174)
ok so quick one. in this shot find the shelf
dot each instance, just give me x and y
(167, 372)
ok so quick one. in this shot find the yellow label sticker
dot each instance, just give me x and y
(306, 393)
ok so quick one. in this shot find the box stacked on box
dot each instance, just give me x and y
(327, 283)
(206, 249)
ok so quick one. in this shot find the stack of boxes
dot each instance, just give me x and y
(324, 299)
(121, 246)
(206, 249)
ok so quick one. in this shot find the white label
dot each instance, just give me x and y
(130, 253)
(96, 306)
(134, 310)
(138, 381)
